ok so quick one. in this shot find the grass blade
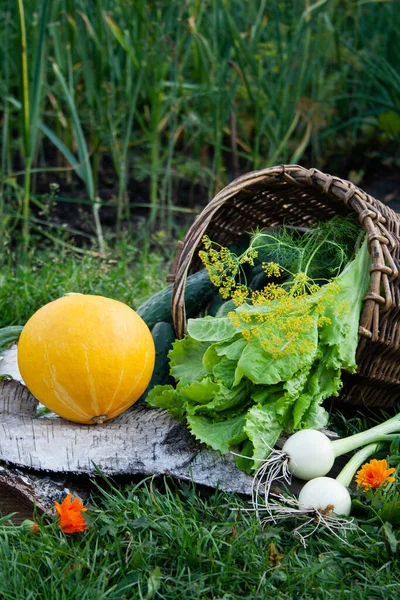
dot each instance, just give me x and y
(80, 138)
(38, 73)
(26, 125)
(65, 151)
(119, 36)
(83, 155)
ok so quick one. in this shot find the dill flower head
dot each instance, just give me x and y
(285, 321)
(223, 268)
(374, 474)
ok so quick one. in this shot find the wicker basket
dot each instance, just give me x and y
(297, 196)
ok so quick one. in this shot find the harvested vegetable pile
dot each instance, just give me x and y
(272, 354)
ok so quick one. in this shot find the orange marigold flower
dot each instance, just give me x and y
(70, 515)
(374, 474)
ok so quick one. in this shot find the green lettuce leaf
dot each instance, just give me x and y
(258, 365)
(219, 436)
(224, 371)
(232, 349)
(186, 359)
(292, 390)
(342, 333)
(322, 383)
(224, 400)
(211, 329)
(262, 394)
(165, 396)
(210, 358)
(263, 429)
(200, 392)
(316, 417)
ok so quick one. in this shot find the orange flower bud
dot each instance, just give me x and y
(29, 526)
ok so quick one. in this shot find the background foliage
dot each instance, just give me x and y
(125, 107)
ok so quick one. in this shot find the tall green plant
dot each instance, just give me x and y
(181, 97)
(31, 92)
(82, 165)
(26, 124)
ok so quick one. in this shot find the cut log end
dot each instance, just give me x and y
(11, 503)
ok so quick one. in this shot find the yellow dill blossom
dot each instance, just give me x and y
(248, 256)
(374, 474)
(225, 254)
(287, 314)
(246, 334)
(215, 280)
(258, 298)
(245, 317)
(259, 317)
(323, 321)
(314, 288)
(301, 285)
(234, 318)
(272, 291)
(223, 268)
(255, 331)
(213, 254)
(272, 269)
(343, 308)
(239, 296)
(206, 242)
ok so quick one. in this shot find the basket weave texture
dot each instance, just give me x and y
(293, 195)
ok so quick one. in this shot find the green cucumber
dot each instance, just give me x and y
(259, 281)
(198, 293)
(9, 335)
(215, 304)
(163, 336)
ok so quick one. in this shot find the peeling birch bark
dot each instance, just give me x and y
(141, 440)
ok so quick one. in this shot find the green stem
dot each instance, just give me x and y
(9, 334)
(363, 438)
(26, 202)
(349, 470)
(314, 253)
(26, 126)
(154, 176)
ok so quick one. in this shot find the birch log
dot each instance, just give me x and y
(141, 440)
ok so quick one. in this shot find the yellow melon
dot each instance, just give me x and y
(87, 358)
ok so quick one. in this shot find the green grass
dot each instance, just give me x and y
(130, 272)
(165, 540)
